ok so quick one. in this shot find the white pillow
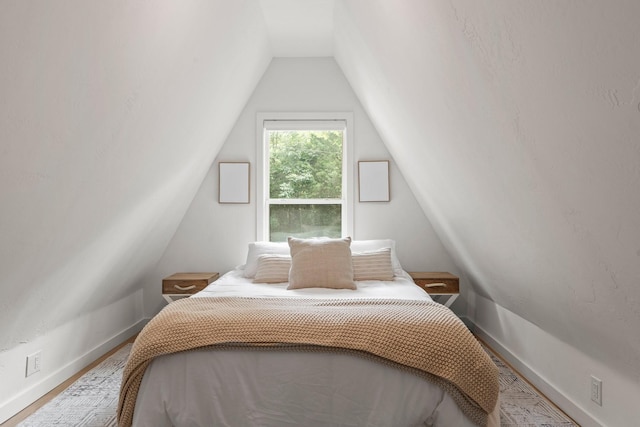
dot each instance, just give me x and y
(273, 269)
(321, 263)
(260, 248)
(372, 265)
(373, 245)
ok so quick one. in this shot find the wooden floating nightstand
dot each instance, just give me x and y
(438, 284)
(182, 285)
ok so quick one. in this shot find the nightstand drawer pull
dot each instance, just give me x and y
(185, 288)
(436, 285)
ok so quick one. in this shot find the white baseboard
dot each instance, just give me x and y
(22, 400)
(559, 399)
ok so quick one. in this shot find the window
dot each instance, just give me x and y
(303, 178)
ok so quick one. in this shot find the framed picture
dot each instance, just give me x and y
(233, 178)
(373, 181)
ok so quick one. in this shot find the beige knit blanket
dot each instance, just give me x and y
(422, 336)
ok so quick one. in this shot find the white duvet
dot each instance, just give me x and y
(268, 388)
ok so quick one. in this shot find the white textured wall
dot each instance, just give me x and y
(110, 116)
(214, 237)
(517, 127)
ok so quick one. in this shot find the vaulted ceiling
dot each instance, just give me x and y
(299, 28)
(516, 125)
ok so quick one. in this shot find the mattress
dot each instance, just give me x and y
(289, 387)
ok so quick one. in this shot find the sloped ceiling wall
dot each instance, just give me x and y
(110, 115)
(517, 126)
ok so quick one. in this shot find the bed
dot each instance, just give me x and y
(271, 349)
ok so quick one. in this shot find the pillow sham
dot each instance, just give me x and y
(321, 263)
(272, 269)
(259, 248)
(372, 265)
(373, 245)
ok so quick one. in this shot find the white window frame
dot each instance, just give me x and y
(271, 121)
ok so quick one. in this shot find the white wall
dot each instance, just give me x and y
(560, 371)
(65, 351)
(110, 116)
(214, 237)
(517, 127)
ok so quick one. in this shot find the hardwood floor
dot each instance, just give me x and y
(22, 415)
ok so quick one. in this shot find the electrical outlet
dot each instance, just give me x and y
(596, 390)
(36, 361)
(33, 363)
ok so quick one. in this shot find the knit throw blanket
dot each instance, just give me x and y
(421, 336)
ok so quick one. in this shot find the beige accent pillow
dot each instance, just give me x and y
(358, 246)
(373, 265)
(272, 268)
(321, 263)
(261, 248)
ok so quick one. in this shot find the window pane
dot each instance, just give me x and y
(305, 164)
(304, 221)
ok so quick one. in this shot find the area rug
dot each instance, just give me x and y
(521, 405)
(92, 400)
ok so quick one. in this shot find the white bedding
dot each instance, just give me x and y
(280, 388)
(234, 283)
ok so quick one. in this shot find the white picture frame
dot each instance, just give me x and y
(233, 179)
(373, 181)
